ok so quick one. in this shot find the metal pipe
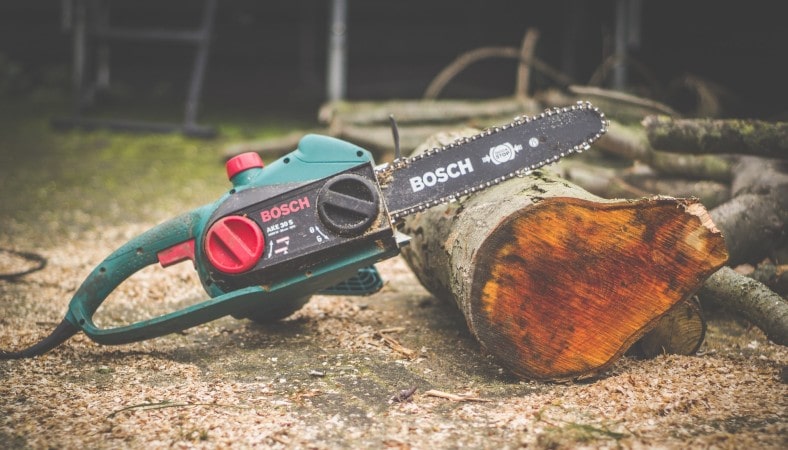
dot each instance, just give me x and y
(336, 83)
(200, 62)
(620, 51)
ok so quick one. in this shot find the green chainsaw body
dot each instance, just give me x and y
(184, 237)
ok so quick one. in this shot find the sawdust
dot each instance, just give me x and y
(324, 377)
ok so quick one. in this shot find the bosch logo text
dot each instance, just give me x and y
(441, 175)
(284, 209)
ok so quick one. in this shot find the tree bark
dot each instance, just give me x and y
(631, 142)
(423, 112)
(639, 181)
(556, 282)
(750, 298)
(738, 136)
(679, 332)
(618, 106)
(755, 221)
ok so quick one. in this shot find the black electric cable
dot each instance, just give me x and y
(63, 331)
(40, 263)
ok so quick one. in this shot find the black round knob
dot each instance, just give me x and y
(348, 204)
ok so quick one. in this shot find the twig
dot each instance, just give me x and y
(455, 397)
(466, 59)
(396, 346)
(604, 69)
(393, 343)
(524, 69)
(169, 404)
(391, 330)
(403, 396)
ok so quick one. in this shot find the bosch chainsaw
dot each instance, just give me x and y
(314, 221)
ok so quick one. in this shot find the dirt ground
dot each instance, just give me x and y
(327, 377)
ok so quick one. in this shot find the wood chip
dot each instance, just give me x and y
(396, 346)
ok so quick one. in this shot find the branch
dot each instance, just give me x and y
(524, 69)
(752, 137)
(753, 300)
(632, 143)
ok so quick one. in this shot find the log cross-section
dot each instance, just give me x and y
(569, 284)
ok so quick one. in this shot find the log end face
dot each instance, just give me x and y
(569, 285)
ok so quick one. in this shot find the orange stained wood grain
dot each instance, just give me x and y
(570, 284)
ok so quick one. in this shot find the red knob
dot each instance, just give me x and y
(234, 244)
(244, 161)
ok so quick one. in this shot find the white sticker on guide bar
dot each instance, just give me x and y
(502, 153)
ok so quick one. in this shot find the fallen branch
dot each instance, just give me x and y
(750, 298)
(422, 112)
(618, 106)
(606, 182)
(524, 69)
(640, 181)
(524, 55)
(631, 142)
(604, 69)
(738, 136)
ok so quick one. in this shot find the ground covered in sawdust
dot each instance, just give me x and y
(325, 378)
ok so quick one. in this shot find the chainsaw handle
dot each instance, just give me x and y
(130, 258)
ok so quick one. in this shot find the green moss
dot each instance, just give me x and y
(54, 181)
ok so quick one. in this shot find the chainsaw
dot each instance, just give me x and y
(314, 221)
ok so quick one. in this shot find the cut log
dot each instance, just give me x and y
(755, 221)
(679, 332)
(618, 106)
(739, 136)
(773, 276)
(423, 112)
(631, 142)
(555, 282)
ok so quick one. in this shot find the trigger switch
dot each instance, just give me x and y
(348, 204)
(234, 244)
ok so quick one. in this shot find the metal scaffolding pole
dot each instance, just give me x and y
(336, 82)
